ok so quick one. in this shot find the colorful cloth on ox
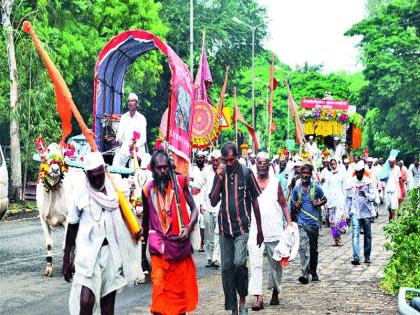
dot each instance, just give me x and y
(174, 286)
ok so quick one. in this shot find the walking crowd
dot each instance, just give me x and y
(236, 209)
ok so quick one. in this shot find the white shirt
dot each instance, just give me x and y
(413, 176)
(313, 149)
(338, 152)
(94, 226)
(126, 130)
(392, 185)
(209, 175)
(197, 182)
(334, 189)
(271, 211)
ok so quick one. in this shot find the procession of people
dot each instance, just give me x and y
(239, 209)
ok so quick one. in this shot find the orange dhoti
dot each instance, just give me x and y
(174, 286)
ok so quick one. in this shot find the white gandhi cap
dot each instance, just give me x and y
(93, 160)
(133, 96)
(359, 166)
(216, 154)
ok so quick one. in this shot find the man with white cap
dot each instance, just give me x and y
(338, 149)
(197, 187)
(273, 212)
(211, 230)
(392, 188)
(252, 163)
(312, 148)
(131, 122)
(361, 211)
(106, 258)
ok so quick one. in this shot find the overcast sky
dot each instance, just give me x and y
(312, 31)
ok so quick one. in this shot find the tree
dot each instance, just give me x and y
(390, 46)
(73, 33)
(16, 169)
(228, 42)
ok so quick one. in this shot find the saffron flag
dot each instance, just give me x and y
(203, 80)
(62, 93)
(273, 85)
(237, 115)
(223, 92)
(293, 110)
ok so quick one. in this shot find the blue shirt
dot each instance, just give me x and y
(307, 206)
(283, 181)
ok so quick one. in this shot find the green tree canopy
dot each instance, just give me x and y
(390, 46)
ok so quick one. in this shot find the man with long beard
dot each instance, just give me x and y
(273, 209)
(166, 220)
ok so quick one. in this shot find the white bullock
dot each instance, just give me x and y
(53, 195)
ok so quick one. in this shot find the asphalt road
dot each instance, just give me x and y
(24, 289)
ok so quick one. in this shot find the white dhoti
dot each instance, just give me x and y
(106, 278)
(391, 200)
(256, 263)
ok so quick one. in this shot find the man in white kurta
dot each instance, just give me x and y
(392, 188)
(197, 188)
(339, 150)
(106, 257)
(312, 148)
(273, 211)
(211, 227)
(334, 191)
(131, 122)
(414, 175)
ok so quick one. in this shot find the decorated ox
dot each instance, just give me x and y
(53, 192)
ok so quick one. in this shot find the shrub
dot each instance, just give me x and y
(403, 234)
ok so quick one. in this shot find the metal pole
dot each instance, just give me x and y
(268, 118)
(192, 39)
(253, 87)
(288, 108)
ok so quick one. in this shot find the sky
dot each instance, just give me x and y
(313, 31)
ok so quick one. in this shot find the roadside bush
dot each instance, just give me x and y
(403, 234)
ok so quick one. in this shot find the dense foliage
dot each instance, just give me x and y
(403, 269)
(390, 47)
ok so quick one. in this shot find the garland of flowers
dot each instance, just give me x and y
(316, 114)
(52, 159)
(323, 128)
(132, 146)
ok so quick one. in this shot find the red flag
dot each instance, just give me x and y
(273, 85)
(203, 79)
(293, 110)
(237, 115)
